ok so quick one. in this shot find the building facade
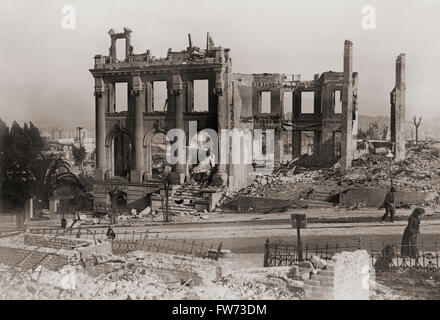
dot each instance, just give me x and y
(125, 139)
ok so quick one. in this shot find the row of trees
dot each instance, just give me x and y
(25, 172)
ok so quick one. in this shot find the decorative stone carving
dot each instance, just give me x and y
(158, 126)
(218, 91)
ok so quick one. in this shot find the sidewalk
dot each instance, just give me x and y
(315, 217)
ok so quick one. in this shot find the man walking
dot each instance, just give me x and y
(389, 205)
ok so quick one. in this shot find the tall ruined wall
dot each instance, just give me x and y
(241, 174)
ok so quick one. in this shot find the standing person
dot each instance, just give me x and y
(388, 203)
(409, 239)
(63, 222)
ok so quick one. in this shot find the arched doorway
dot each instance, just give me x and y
(121, 155)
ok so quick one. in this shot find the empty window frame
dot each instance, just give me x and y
(120, 49)
(337, 100)
(307, 102)
(287, 105)
(160, 96)
(337, 140)
(121, 96)
(307, 142)
(265, 102)
(201, 95)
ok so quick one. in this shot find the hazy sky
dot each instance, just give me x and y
(44, 69)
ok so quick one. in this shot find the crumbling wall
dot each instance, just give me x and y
(240, 174)
(375, 197)
(346, 277)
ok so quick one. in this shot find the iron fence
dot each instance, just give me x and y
(166, 245)
(389, 257)
(396, 257)
(124, 242)
(280, 253)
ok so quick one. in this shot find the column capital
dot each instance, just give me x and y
(100, 87)
(218, 91)
(136, 92)
(177, 91)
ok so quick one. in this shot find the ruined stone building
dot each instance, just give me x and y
(398, 106)
(125, 140)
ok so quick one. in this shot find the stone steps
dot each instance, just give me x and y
(189, 194)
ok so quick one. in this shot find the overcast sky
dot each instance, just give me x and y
(44, 69)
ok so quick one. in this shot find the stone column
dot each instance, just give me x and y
(100, 109)
(296, 143)
(190, 96)
(317, 143)
(178, 174)
(278, 153)
(398, 110)
(149, 90)
(139, 106)
(29, 209)
(221, 177)
(53, 208)
(347, 109)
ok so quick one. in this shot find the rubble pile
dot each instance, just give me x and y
(420, 171)
(143, 275)
(281, 184)
(305, 269)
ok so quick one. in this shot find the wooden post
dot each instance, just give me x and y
(299, 244)
(298, 221)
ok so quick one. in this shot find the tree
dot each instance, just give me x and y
(417, 124)
(373, 131)
(24, 171)
(361, 134)
(4, 131)
(79, 155)
(17, 158)
(50, 173)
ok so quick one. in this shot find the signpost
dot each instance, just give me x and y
(299, 221)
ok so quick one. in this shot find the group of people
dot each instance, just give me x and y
(409, 238)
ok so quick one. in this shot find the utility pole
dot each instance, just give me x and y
(417, 124)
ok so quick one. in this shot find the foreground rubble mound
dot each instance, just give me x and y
(143, 275)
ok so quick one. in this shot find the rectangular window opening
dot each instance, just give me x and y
(288, 105)
(308, 102)
(337, 96)
(121, 97)
(265, 102)
(160, 96)
(120, 49)
(201, 95)
(307, 142)
(337, 139)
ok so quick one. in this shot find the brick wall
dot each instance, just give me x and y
(52, 242)
(346, 277)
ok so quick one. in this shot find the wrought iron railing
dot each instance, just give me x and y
(124, 242)
(166, 245)
(281, 253)
(387, 257)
